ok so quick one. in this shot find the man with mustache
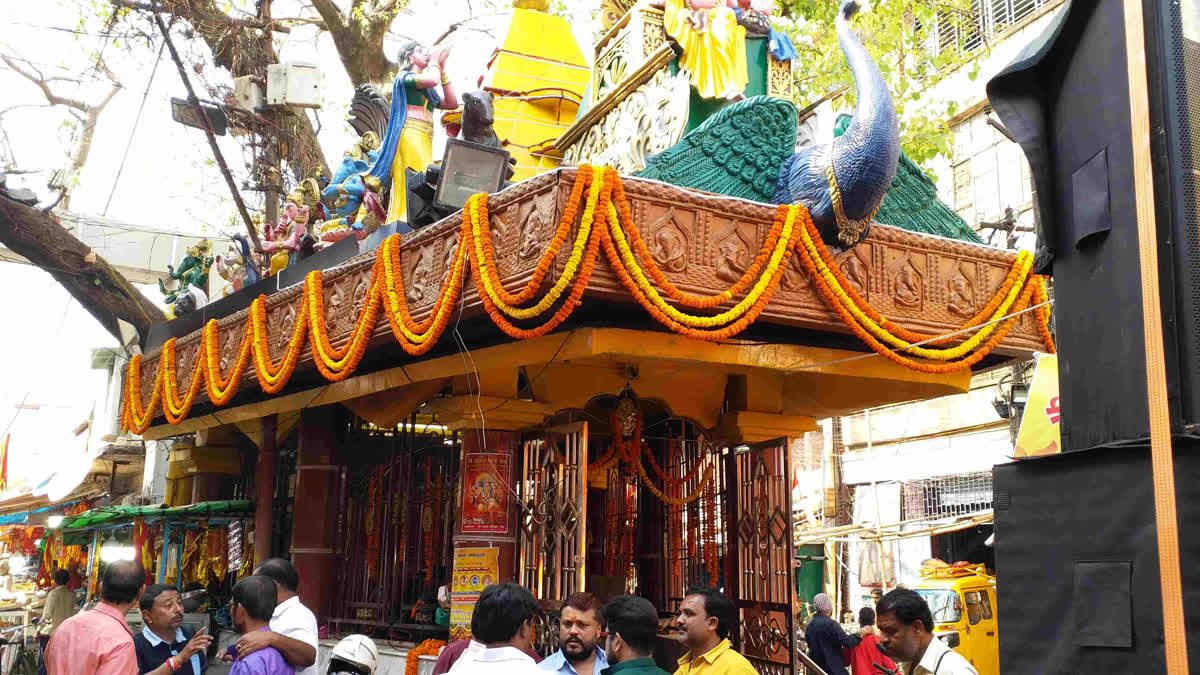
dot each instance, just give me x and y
(578, 632)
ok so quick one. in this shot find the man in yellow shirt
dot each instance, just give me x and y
(705, 619)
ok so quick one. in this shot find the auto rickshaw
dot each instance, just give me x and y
(962, 598)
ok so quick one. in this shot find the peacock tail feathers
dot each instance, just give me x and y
(369, 111)
(737, 152)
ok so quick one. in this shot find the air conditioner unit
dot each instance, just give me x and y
(295, 84)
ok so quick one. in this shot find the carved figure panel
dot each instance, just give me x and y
(795, 277)
(734, 248)
(960, 292)
(856, 272)
(281, 321)
(654, 34)
(535, 222)
(421, 286)
(669, 242)
(907, 283)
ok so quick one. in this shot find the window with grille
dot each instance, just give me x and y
(947, 496)
(965, 32)
(991, 174)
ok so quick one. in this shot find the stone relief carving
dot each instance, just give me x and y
(908, 287)
(421, 279)
(669, 243)
(856, 273)
(960, 299)
(733, 256)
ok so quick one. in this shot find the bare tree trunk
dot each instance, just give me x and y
(103, 291)
(87, 114)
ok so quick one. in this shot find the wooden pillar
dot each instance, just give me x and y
(315, 508)
(264, 489)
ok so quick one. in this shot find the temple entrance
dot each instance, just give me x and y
(622, 497)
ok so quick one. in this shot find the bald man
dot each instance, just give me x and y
(826, 638)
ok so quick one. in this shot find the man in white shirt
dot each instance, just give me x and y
(293, 626)
(503, 623)
(904, 623)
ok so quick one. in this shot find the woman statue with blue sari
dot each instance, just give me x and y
(408, 142)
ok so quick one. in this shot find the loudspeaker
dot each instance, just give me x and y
(1067, 100)
(1077, 553)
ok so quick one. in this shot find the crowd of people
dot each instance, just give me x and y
(899, 627)
(279, 634)
(502, 628)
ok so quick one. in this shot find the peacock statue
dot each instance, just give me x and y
(746, 150)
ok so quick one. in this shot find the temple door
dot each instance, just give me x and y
(762, 530)
(552, 537)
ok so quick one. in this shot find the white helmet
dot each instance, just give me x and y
(354, 655)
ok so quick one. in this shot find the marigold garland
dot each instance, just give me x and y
(606, 224)
(430, 647)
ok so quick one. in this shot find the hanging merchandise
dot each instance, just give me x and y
(216, 547)
(248, 557)
(143, 548)
(191, 555)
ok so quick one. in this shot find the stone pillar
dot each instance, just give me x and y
(314, 511)
(264, 490)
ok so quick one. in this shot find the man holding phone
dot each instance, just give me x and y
(164, 646)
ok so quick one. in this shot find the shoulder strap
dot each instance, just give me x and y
(938, 665)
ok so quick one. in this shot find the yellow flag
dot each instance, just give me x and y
(1039, 434)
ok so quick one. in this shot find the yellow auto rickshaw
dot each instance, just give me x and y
(962, 598)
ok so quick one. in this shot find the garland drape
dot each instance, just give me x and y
(606, 224)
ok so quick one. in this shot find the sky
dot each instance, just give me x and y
(150, 171)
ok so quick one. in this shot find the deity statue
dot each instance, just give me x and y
(238, 267)
(354, 196)
(713, 43)
(408, 140)
(192, 272)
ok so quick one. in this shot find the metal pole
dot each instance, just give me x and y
(93, 563)
(878, 516)
(212, 139)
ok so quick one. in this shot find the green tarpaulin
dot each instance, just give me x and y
(107, 516)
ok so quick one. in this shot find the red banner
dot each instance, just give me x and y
(486, 493)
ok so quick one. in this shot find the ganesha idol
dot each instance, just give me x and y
(354, 195)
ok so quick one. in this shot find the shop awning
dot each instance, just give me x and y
(113, 516)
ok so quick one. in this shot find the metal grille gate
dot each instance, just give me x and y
(552, 539)
(762, 528)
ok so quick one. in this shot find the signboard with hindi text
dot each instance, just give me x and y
(474, 570)
(1040, 429)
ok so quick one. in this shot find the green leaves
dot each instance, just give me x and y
(899, 34)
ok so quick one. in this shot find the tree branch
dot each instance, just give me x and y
(41, 83)
(103, 291)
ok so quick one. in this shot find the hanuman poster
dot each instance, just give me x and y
(485, 496)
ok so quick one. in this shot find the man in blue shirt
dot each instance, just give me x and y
(163, 647)
(578, 632)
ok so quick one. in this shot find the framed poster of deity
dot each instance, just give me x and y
(485, 493)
